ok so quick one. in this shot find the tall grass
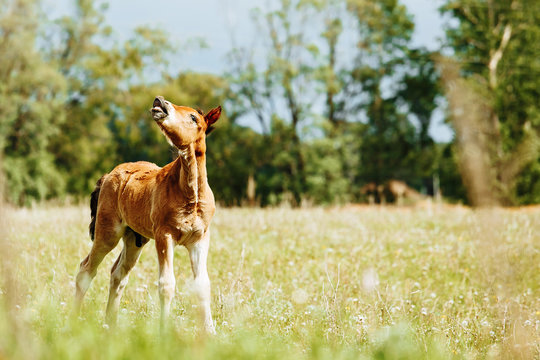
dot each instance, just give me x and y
(337, 283)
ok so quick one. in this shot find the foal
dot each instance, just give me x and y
(173, 205)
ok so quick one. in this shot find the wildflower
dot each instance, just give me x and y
(465, 323)
(527, 323)
(361, 319)
(370, 280)
(300, 296)
(484, 323)
(424, 311)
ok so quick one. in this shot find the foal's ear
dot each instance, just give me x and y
(211, 118)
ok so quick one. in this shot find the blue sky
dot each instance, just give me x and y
(216, 20)
(220, 21)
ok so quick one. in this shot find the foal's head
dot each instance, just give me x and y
(183, 125)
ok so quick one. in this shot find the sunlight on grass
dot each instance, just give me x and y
(337, 283)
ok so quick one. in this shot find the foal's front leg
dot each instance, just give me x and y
(165, 252)
(198, 253)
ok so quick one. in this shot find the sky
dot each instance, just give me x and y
(221, 22)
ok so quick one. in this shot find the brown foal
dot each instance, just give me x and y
(173, 205)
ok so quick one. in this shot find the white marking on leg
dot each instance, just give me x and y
(166, 282)
(83, 281)
(198, 253)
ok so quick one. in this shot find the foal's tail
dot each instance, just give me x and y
(93, 207)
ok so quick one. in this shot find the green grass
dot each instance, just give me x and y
(337, 283)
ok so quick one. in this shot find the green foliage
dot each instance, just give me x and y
(496, 45)
(77, 106)
(365, 132)
(232, 157)
(327, 171)
(31, 96)
(451, 183)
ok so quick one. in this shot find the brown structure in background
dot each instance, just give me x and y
(390, 191)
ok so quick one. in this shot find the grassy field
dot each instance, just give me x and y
(337, 283)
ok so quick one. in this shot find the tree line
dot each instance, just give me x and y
(340, 95)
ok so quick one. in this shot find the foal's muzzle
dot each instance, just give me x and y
(159, 108)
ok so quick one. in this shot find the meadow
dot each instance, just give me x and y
(319, 283)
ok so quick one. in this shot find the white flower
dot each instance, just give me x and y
(370, 279)
(300, 296)
(424, 311)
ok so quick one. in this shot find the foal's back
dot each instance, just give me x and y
(127, 192)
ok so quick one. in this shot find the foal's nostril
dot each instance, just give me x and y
(159, 101)
(160, 104)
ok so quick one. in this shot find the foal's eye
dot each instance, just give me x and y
(193, 118)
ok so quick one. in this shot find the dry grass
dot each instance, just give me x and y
(314, 283)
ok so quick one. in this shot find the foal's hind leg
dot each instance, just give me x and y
(133, 244)
(108, 233)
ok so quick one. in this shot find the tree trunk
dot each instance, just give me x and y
(468, 111)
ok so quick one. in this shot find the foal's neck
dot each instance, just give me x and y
(193, 179)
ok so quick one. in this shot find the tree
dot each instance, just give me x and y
(393, 87)
(278, 91)
(100, 74)
(315, 100)
(31, 97)
(495, 45)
